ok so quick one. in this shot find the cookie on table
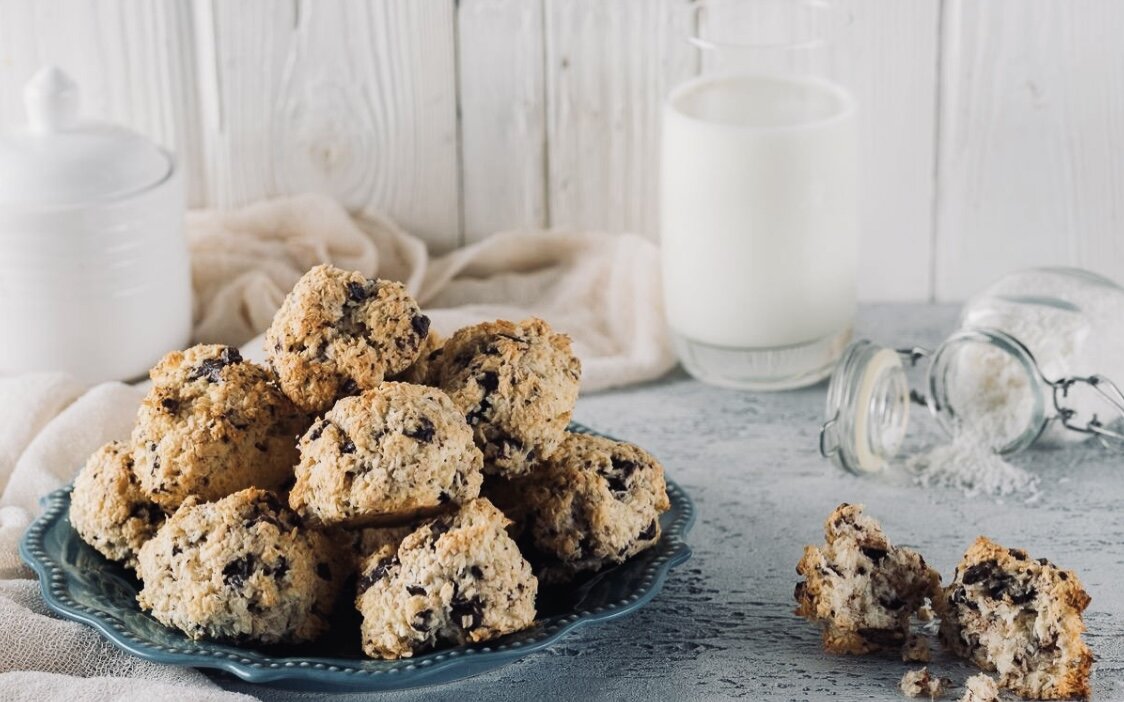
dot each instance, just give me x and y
(594, 502)
(240, 569)
(108, 509)
(338, 333)
(516, 384)
(859, 587)
(922, 683)
(1019, 617)
(387, 456)
(211, 425)
(457, 579)
(423, 371)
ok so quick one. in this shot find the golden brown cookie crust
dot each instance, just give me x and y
(212, 424)
(516, 384)
(1021, 618)
(107, 507)
(388, 456)
(240, 569)
(594, 502)
(457, 579)
(338, 333)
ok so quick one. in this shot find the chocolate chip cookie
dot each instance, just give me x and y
(859, 587)
(338, 334)
(457, 579)
(1019, 617)
(594, 502)
(108, 509)
(213, 424)
(387, 456)
(516, 384)
(240, 569)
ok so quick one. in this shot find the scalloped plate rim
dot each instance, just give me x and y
(315, 672)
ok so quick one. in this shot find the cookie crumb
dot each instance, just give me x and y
(916, 683)
(925, 613)
(916, 649)
(981, 688)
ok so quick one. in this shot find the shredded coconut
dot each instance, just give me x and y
(968, 464)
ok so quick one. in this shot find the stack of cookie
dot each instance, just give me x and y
(438, 475)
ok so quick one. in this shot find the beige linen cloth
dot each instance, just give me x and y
(602, 290)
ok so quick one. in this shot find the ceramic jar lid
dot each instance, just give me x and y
(60, 160)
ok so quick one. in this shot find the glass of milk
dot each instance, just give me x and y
(758, 203)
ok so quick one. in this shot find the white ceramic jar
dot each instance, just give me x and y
(94, 271)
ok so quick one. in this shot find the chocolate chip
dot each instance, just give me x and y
(444, 498)
(376, 574)
(422, 619)
(237, 572)
(476, 572)
(323, 571)
(893, 603)
(415, 589)
(259, 445)
(349, 388)
(176, 550)
(145, 513)
(318, 430)
(423, 432)
(1017, 553)
(278, 571)
(979, 572)
(489, 381)
(1024, 597)
(211, 368)
(357, 292)
(649, 532)
(170, 404)
(347, 446)
(468, 613)
(1043, 561)
(623, 466)
(420, 325)
(873, 553)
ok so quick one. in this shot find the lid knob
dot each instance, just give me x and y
(51, 100)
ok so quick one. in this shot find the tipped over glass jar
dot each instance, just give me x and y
(1033, 360)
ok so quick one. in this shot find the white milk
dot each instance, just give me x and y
(759, 211)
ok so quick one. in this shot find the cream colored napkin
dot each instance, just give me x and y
(602, 290)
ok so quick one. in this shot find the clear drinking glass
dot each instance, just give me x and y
(759, 197)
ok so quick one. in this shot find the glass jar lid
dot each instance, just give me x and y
(61, 160)
(867, 409)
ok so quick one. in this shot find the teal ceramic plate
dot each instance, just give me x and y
(78, 583)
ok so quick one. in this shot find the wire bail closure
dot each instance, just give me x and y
(1103, 387)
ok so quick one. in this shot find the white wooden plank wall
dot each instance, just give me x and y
(1032, 139)
(990, 132)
